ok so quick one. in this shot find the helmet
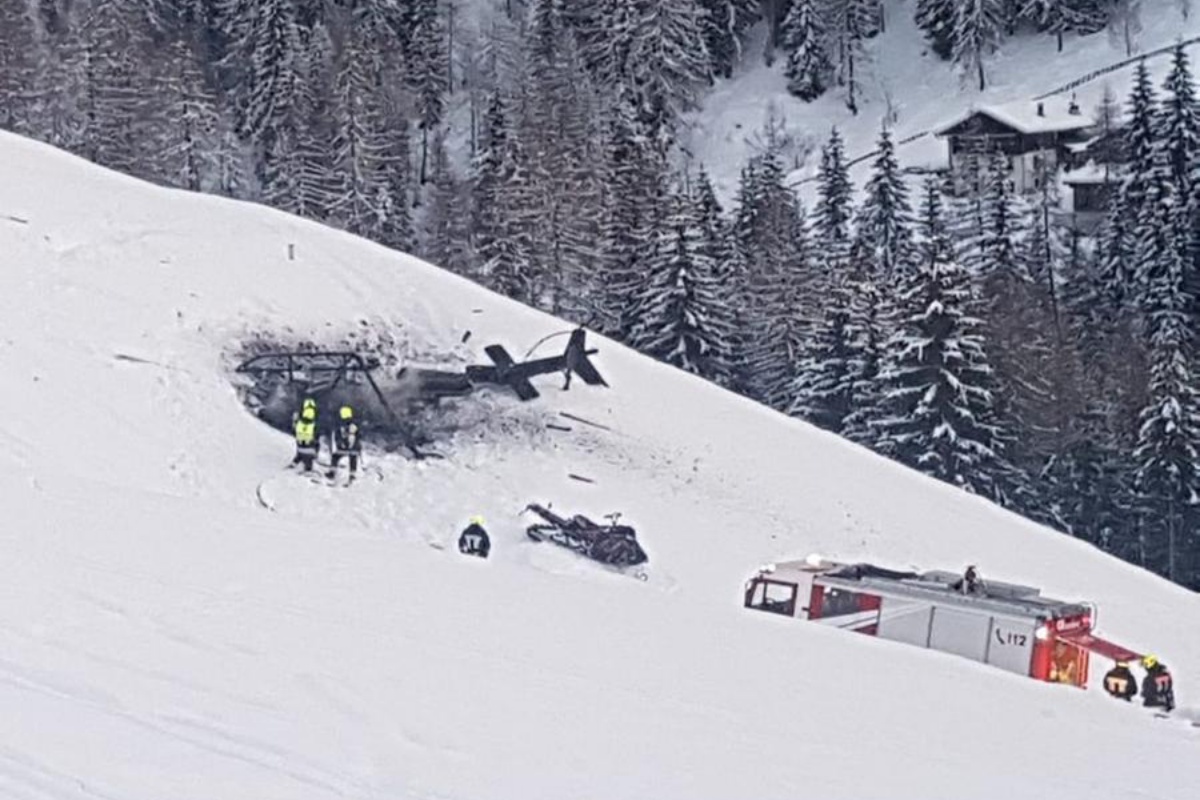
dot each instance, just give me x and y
(1149, 662)
(309, 403)
(308, 413)
(477, 520)
(1123, 664)
(346, 412)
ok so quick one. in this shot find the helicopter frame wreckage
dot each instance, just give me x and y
(320, 372)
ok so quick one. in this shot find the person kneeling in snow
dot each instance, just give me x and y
(346, 442)
(1158, 688)
(1120, 683)
(474, 539)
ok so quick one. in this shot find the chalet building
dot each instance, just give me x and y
(1034, 136)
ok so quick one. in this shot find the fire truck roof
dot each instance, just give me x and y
(945, 588)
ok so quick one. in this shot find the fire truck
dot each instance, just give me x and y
(1006, 625)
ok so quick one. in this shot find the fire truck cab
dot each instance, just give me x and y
(1009, 626)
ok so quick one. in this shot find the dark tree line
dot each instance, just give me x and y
(968, 337)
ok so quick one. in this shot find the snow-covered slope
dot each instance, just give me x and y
(163, 636)
(906, 82)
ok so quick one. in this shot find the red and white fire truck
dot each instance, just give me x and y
(1009, 626)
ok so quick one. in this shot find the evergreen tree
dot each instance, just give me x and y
(939, 391)
(773, 269)
(558, 123)
(1178, 133)
(808, 67)
(635, 175)
(834, 209)
(667, 61)
(716, 246)
(486, 179)
(1118, 237)
(188, 122)
(937, 19)
(266, 42)
(977, 31)
(1169, 438)
(18, 67)
(112, 103)
(1064, 16)
(427, 65)
(683, 321)
(845, 24)
(884, 237)
(445, 236)
(725, 23)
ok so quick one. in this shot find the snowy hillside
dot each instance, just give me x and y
(164, 636)
(918, 94)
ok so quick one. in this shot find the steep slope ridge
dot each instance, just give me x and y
(163, 636)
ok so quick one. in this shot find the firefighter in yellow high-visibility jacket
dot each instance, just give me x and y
(305, 431)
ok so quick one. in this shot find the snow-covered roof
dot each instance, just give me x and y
(1026, 116)
(1091, 173)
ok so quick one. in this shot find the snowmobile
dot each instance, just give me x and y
(612, 544)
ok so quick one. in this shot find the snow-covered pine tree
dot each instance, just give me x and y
(635, 181)
(667, 61)
(717, 246)
(1117, 246)
(486, 178)
(828, 369)
(938, 381)
(725, 23)
(808, 68)
(1016, 316)
(883, 230)
(936, 19)
(360, 139)
(1060, 17)
(845, 23)
(113, 100)
(444, 237)
(834, 209)
(265, 44)
(427, 71)
(1168, 448)
(978, 27)
(558, 123)
(776, 297)
(883, 251)
(1178, 127)
(187, 123)
(18, 67)
(508, 266)
(683, 319)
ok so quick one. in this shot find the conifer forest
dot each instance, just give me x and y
(970, 336)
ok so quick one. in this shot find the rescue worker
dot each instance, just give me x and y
(345, 442)
(305, 431)
(474, 539)
(1158, 688)
(1120, 682)
(970, 582)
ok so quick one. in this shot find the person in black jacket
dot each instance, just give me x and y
(346, 442)
(1120, 682)
(1158, 687)
(474, 539)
